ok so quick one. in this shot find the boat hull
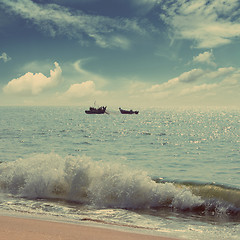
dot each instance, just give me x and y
(93, 110)
(128, 112)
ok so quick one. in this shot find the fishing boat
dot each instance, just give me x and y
(93, 110)
(128, 111)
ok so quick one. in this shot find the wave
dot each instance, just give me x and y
(109, 185)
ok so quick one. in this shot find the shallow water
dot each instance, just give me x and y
(175, 172)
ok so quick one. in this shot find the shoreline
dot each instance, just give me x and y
(24, 228)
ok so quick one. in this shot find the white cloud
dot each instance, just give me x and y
(232, 79)
(186, 77)
(59, 20)
(221, 73)
(89, 86)
(206, 57)
(111, 41)
(196, 87)
(208, 23)
(5, 57)
(82, 90)
(33, 84)
(160, 87)
(191, 76)
(121, 41)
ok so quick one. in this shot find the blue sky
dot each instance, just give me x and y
(144, 53)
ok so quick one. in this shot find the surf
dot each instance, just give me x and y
(81, 180)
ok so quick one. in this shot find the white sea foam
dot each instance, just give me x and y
(85, 181)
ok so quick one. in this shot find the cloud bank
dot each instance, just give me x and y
(199, 86)
(208, 23)
(218, 87)
(59, 20)
(34, 84)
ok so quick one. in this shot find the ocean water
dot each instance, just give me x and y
(171, 172)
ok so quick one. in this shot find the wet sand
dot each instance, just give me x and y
(12, 228)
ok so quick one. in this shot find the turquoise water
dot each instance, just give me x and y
(172, 172)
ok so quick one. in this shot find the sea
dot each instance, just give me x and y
(168, 171)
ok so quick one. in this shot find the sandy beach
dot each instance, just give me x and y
(12, 228)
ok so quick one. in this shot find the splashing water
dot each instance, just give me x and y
(85, 181)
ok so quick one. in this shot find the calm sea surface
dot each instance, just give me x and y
(169, 172)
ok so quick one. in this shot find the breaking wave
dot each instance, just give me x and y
(107, 185)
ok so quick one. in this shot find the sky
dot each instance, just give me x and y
(120, 53)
